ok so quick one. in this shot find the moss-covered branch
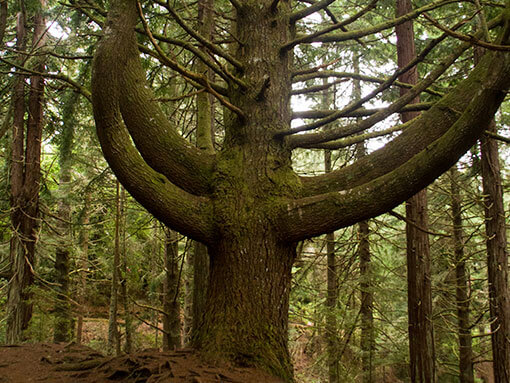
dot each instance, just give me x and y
(117, 65)
(383, 179)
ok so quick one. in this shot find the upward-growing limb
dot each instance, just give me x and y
(390, 175)
(118, 73)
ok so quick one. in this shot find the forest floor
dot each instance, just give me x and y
(70, 363)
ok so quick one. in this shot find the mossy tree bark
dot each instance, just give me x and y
(245, 203)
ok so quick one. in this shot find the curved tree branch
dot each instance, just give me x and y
(187, 213)
(323, 213)
(409, 163)
(117, 64)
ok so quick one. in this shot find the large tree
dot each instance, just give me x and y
(245, 202)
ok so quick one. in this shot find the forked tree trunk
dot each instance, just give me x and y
(466, 374)
(421, 336)
(246, 203)
(497, 258)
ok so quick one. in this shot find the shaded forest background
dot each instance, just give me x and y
(106, 274)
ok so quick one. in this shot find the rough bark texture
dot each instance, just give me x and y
(421, 336)
(25, 176)
(466, 374)
(200, 282)
(245, 203)
(497, 258)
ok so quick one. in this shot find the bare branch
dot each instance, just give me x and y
(301, 14)
(468, 38)
(339, 25)
(497, 137)
(358, 76)
(323, 37)
(310, 139)
(361, 112)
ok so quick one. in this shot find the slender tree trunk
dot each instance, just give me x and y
(497, 258)
(332, 297)
(466, 374)
(205, 141)
(421, 336)
(200, 282)
(367, 304)
(25, 176)
(367, 296)
(113, 330)
(171, 306)
(63, 317)
(83, 265)
(124, 288)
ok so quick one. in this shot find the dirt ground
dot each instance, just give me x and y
(70, 363)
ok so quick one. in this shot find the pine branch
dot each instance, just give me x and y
(324, 36)
(339, 25)
(334, 134)
(187, 74)
(468, 38)
(206, 43)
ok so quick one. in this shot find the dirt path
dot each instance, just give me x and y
(59, 363)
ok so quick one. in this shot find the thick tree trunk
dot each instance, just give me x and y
(497, 258)
(171, 306)
(466, 374)
(421, 337)
(246, 318)
(245, 202)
